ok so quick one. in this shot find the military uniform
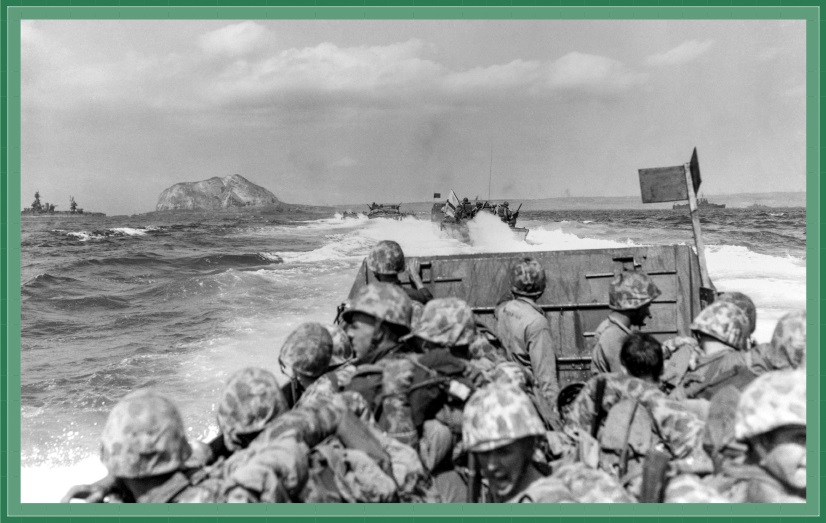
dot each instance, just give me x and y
(628, 291)
(659, 423)
(728, 324)
(387, 258)
(609, 336)
(143, 438)
(787, 349)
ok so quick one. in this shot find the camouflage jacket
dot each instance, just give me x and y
(524, 331)
(677, 429)
(609, 336)
(186, 486)
(709, 374)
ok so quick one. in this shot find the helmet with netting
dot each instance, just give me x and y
(384, 301)
(528, 278)
(446, 322)
(506, 204)
(725, 322)
(386, 257)
(144, 437)
(568, 394)
(465, 200)
(307, 350)
(789, 338)
(251, 399)
(773, 400)
(745, 303)
(342, 346)
(631, 290)
(498, 415)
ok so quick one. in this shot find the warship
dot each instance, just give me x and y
(38, 208)
(702, 203)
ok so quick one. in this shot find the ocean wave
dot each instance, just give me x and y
(42, 281)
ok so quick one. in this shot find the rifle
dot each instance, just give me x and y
(654, 477)
(474, 480)
(514, 215)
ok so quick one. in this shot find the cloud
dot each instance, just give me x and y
(598, 73)
(236, 70)
(237, 39)
(683, 53)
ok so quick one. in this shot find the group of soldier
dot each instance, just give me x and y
(407, 398)
(468, 210)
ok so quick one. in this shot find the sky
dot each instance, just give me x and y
(334, 112)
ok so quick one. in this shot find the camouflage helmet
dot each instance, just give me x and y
(386, 257)
(342, 346)
(498, 415)
(528, 278)
(251, 399)
(144, 437)
(724, 322)
(465, 200)
(789, 338)
(506, 204)
(745, 303)
(773, 400)
(383, 301)
(447, 322)
(307, 350)
(631, 290)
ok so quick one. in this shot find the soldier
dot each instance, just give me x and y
(143, 445)
(386, 262)
(771, 421)
(305, 356)
(628, 416)
(629, 298)
(525, 333)
(503, 212)
(501, 429)
(250, 401)
(721, 330)
(787, 349)
(468, 208)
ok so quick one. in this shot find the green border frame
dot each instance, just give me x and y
(15, 10)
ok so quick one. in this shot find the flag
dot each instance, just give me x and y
(437, 195)
(452, 202)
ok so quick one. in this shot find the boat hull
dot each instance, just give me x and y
(575, 300)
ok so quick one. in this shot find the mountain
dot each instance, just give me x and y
(229, 192)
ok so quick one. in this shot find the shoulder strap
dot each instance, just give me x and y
(599, 393)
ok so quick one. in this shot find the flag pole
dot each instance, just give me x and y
(490, 170)
(695, 224)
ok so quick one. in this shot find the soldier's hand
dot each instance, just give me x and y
(397, 377)
(94, 493)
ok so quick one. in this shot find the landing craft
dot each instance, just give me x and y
(576, 296)
(386, 210)
(454, 222)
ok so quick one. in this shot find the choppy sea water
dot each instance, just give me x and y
(113, 304)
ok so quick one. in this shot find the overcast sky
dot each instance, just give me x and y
(114, 112)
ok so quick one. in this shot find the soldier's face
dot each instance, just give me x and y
(506, 467)
(785, 458)
(360, 330)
